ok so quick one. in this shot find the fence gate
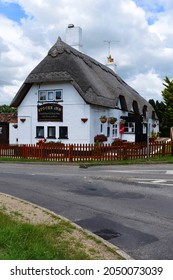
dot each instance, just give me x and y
(4, 133)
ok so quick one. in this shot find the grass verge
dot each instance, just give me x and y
(153, 160)
(37, 242)
(55, 239)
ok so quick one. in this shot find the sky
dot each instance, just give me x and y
(140, 31)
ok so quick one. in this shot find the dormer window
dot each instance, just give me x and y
(50, 95)
(117, 103)
(135, 107)
(131, 109)
(123, 103)
(144, 111)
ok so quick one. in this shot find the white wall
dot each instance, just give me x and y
(96, 113)
(13, 133)
(74, 108)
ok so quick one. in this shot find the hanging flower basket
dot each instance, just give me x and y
(15, 125)
(103, 119)
(84, 120)
(112, 120)
(154, 125)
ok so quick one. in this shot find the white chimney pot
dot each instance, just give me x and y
(74, 36)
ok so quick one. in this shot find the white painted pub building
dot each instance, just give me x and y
(67, 93)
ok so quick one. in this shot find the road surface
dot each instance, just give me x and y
(130, 206)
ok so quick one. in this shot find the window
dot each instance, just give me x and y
(58, 94)
(42, 95)
(50, 95)
(117, 103)
(129, 127)
(135, 107)
(51, 132)
(144, 111)
(123, 103)
(108, 131)
(39, 131)
(114, 130)
(63, 132)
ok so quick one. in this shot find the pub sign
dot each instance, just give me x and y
(50, 113)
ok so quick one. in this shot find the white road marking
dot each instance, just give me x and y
(138, 171)
(162, 182)
(169, 172)
(153, 183)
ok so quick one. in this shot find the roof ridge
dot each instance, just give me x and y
(60, 46)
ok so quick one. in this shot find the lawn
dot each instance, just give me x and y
(45, 236)
(37, 242)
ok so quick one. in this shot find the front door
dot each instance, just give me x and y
(4, 133)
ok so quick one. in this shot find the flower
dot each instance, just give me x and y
(103, 119)
(112, 120)
(41, 141)
(100, 138)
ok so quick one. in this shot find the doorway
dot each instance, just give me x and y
(4, 133)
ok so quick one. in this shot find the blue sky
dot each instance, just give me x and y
(143, 29)
(152, 9)
(12, 11)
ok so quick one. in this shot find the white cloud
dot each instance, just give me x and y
(143, 52)
(153, 82)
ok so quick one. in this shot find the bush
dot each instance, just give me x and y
(100, 138)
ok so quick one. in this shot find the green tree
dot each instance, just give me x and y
(159, 108)
(7, 109)
(167, 94)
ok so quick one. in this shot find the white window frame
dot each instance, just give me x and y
(50, 95)
(129, 127)
(115, 130)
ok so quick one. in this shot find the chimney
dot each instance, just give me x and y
(74, 36)
(111, 63)
(110, 60)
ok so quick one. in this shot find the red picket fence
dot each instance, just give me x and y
(86, 152)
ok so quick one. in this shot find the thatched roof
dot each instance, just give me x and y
(96, 83)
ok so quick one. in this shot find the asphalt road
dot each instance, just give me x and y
(129, 206)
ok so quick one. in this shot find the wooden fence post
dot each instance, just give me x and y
(163, 149)
(70, 152)
(171, 148)
(24, 151)
(124, 152)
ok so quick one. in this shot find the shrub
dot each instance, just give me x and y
(100, 138)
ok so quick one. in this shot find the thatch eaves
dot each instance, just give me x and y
(96, 83)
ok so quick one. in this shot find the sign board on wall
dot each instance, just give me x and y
(50, 113)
